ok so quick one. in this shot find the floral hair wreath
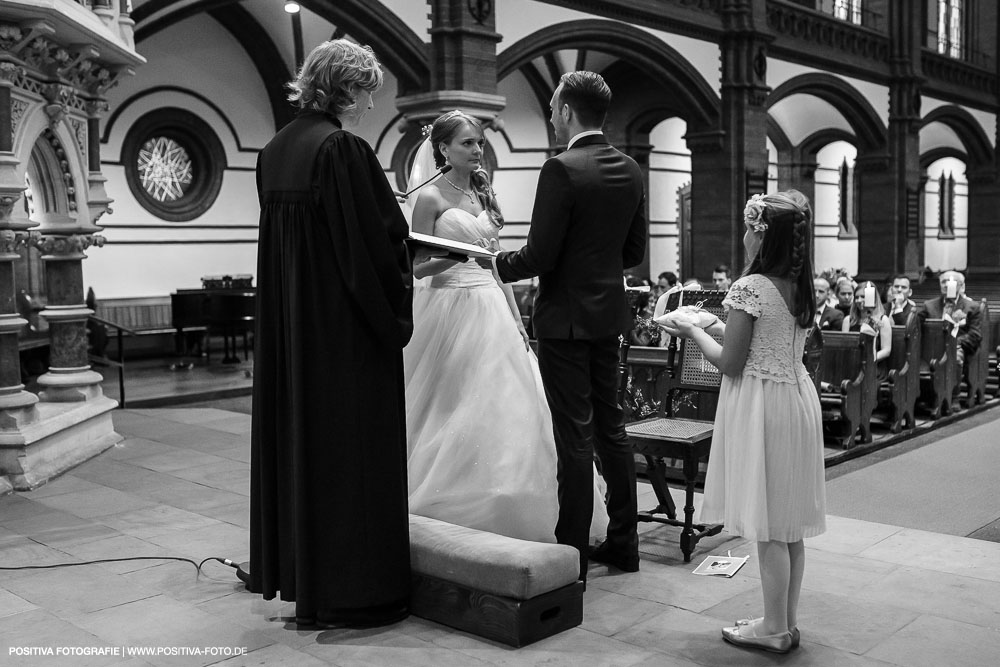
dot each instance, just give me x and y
(753, 214)
(427, 129)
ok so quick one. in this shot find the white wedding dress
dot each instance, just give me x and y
(481, 452)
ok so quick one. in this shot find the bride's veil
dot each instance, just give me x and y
(422, 169)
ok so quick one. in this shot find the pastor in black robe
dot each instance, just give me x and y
(328, 509)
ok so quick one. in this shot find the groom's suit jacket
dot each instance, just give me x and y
(588, 224)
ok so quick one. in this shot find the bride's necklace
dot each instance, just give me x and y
(468, 193)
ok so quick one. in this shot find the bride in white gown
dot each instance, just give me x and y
(481, 452)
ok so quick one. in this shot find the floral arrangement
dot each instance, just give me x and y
(753, 214)
(649, 327)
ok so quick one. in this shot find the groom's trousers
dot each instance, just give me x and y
(581, 386)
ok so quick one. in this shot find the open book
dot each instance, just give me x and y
(456, 249)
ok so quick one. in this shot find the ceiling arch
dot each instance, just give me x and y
(847, 100)
(696, 100)
(979, 152)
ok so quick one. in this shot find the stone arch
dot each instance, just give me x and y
(696, 101)
(819, 139)
(369, 21)
(240, 23)
(978, 150)
(869, 131)
(935, 154)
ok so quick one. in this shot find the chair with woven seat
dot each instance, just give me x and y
(687, 383)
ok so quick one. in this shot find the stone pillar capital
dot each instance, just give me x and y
(64, 247)
(711, 141)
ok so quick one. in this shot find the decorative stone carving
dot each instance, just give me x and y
(7, 202)
(66, 247)
(79, 129)
(58, 96)
(95, 108)
(811, 26)
(17, 110)
(11, 240)
(951, 70)
(9, 72)
(51, 137)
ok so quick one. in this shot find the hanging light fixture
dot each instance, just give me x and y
(292, 7)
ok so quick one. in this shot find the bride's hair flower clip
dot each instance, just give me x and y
(426, 130)
(753, 214)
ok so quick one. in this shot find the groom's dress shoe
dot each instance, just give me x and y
(605, 553)
(779, 643)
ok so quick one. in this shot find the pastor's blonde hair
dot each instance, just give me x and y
(333, 75)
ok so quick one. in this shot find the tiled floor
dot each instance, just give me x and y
(874, 594)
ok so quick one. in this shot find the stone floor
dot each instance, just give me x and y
(874, 594)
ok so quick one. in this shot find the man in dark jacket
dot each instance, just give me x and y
(587, 226)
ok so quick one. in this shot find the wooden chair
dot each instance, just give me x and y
(977, 366)
(812, 357)
(939, 372)
(898, 394)
(849, 386)
(668, 436)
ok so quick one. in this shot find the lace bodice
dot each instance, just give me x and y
(778, 341)
(457, 224)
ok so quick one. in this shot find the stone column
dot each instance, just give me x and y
(17, 407)
(463, 65)
(740, 167)
(984, 230)
(69, 377)
(797, 169)
(890, 231)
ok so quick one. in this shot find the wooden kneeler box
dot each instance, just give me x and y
(508, 590)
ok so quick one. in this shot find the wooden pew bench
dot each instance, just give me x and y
(849, 386)
(939, 372)
(977, 366)
(508, 590)
(898, 394)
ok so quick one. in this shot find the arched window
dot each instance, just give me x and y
(951, 28)
(946, 206)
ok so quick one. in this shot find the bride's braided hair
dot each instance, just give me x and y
(785, 249)
(443, 131)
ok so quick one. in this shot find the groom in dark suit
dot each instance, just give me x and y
(587, 225)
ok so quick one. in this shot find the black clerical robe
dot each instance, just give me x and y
(328, 493)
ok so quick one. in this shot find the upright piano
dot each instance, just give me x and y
(225, 305)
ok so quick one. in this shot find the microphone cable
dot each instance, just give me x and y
(225, 561)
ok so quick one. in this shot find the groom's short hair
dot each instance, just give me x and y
(587, 95)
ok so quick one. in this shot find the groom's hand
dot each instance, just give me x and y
(493, 246)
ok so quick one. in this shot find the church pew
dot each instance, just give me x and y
(849, 386)
(977, 365)
(898, 394)
(939, 372)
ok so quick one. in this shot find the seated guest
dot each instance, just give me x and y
(692, 283)
(827, 317)
(664, 282)
(868, 317)
(845, 295)
(899, 304)
(643, 308)
(955, 307)
(722, 277)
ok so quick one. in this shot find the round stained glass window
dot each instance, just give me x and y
(165, 169)
(173, 164)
